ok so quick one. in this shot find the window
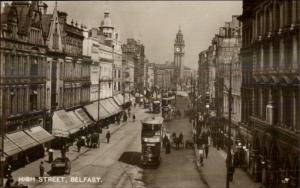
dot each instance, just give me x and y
(33, 99)
(12, 102)
(288, 51)
(288, 14)
(13, 62)
(298, 11)
(276, 19)
(7, 64)
(34, 67)
(55, 39)
(25, 66)
(276, 54)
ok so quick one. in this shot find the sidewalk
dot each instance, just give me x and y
(214, 171)
(32, 169)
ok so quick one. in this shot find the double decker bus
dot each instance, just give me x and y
(152, 135)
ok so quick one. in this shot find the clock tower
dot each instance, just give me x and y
(178, 58)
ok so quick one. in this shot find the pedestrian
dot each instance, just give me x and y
(78, 144)
(9, 181)
(129, 111)
(231, 172)
(88, 140)
(7, 171)
(42, 169)
(107, 136)
(165, 140)
(206, 150)
(201, 156)
(180, 138)
(125, 117)
(63, 150)
(133, 117)
(168, 147)
(177, 143)
(50, 155)
(16, 184)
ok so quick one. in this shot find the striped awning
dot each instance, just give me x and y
(92, 109)
(10, 148)
(22, 140)
(82, 115)
(39, 134)
(64, 124)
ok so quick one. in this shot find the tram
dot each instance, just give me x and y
(152, 132)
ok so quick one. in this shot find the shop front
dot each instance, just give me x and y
(85, 119)
(124, 101)
(65, 128)
(30, 149)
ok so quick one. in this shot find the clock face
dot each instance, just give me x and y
(177, 49)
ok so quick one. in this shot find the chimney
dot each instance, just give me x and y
(45, 7)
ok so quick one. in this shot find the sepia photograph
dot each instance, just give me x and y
(150, 94)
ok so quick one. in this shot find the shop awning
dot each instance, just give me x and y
(114, 104)
(63, 125)
(39, 134)
(109, 107)
(22, 140)
(83, 116)
(77, 122)
(119, 99)
(92, 109)
(10, 148)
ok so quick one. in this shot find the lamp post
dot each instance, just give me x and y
(99, 90)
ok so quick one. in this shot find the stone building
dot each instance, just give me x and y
(104, 46)
(112, 39)
(128, 73)
(23, 69)
(150, 76)
(270, 89)
(68, 70)
(163, 74)
(135, 50)
(207, 75)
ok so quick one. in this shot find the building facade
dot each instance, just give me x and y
(135, 50)
(150, 76)
(68, 71)
(104, 46)
(163, 75)
(23, 69)
(270, 89)
(128, 73)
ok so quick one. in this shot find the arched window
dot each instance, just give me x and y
(288, 13)
(276, 16)
(34, 66)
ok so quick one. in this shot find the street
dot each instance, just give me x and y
(117, 163)
(178, 168)
(104, 162)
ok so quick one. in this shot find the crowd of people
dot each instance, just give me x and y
(204, 141)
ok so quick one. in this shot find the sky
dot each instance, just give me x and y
(155, 23)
